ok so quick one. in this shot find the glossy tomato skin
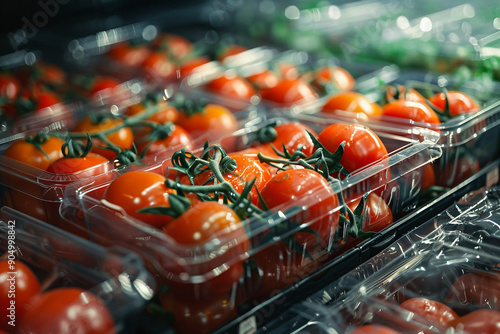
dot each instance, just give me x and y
(298, 187)
(456, 171)
(374, 329)
(411, 110)
(475, 289)
(28, 153)
(404, 94)
(265, 79)
(335, 76)
(293, 135)
(20, 288)
(136, 190)
(289, 91)
(213, 119)
(101, 84)
(459, 102)
(353, 102)
(233, 86)
(67, 310)
(158, 65)
(192, 315)
(200, 224)
(362, 145)
(433, 311)
(167, 113)
(376, 214)
(479, 322)
(428, 177)
(122, 137)
(74, 165)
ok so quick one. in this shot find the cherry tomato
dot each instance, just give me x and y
(458, 102)
(176, 46)
(428, 177)
(479, 322)
(433, 311)
(402, 93)
(376, 214)
(173, 137)
(292, 135)
(247, 168)
(374, 329)
(74, 165)
(264, 79)
(475, 289)
(335, 76)
(203, 222)
(298, 187)
(122, 138)
(136, 190)
(362, 146)
(212, 119)
(351, 102)
(289, 91)
(67, 310)
(158, 65)
(50, 74)
(195, 315)
(167, 113)
(37, 151)
(100, 84)
(233, 86)
(16, 291)
(191, 66)
(9, 86)
(411, 111)
(231, 50)
(129, 55)
(47, 99)
(455, 172)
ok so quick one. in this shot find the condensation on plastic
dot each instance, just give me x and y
(115, 275)
(39, 193)
(450, 259)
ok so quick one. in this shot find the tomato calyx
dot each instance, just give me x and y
(178, 205)
(37, 141)
(189, 106)
(76, 149)
(356, 229)
(159, 132)
(445, 114)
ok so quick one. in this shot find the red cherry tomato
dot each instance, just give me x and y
(292, 135)
(174, 45)
(191, 66)
(74, 165)
(123, 137)
(475, 289)
(36, 151)
(458, 102)
(264, 79)
(402, 93)
(213, 119)
(479, 322)
(167, 113)
(353, 102)
(298, 187)
(129, 55)
(203, 222)
(137, 190)
(376, 214)
(102, 83)
(335, 76)
(174, 137)
(290, 91)
(428, 177)
(433, 311)
(9, 86)
(231, 50)
(457, 171)
(374, 329)
(18, 285)
(67, 310)
(233, 86)
(158, 65)
(411, 111)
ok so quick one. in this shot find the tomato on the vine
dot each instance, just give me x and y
(411, 111)
(292, 135)
(291, 187)
(336, 77)
(122, 138)
(233, 86)
(168, 136)
(353, 102)
(433, 311)
(67, 310)
(100, 84)
(289, 91)
(376, 214)
(458, 102)
(166, 112)
(70, 165)
(158, 65)
(264, 79)
(399, 92)
(201, 223)
(19, 288)
(210, 119)
(136, 190)
(38, 151)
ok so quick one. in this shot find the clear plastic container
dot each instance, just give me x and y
(199, 269)
(452, 259)
(39, 193)
(60, 260)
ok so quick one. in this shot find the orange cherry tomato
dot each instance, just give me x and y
(352, 102)
(37, 151)
(458, 102)
(232, 86)
(335, 76)
(289, 91)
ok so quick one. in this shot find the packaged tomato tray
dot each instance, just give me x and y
(464, 113)
(441, 275)
(142, 129)
(52, 281)
(269, 229)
